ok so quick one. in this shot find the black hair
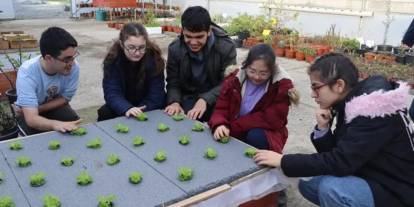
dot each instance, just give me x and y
(334, 66)
(261, 52)
(196, 19)
(54, 40)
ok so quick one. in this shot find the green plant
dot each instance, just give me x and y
(142, 117)
(16, 63)
(84, 178)
(135, 177)
(198, 127)
(94, 143)
(239, 24)
(160, 156)
(138, 141)
(210, 153)
(224, 140)
(23, 161)
(163, 127)
(17, 145)
(37, 179)
(67, 161)
(6, 201)
(184, 140)
(54, 145)
(185, 173)
(113, 159)
(7, 121)
(121, 128)
(350, 45)
(332, 37)
(250, 152)
(178, 117)
(309, 51)
(79, 132)
(51, 201)
(259, 24)
(150, 19)
(106, 201)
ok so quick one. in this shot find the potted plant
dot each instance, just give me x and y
(350, 45)
(8, 125)
(300, 53)
(240, 26)
(280, 48)
(309, 54)
(151, 24)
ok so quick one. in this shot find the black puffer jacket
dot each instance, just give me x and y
(372, 140)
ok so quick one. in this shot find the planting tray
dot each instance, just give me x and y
(154, 189)
(229, 165)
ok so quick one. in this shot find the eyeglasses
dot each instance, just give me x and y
(133, 49)
(315, 88)
(68, 60)
(253, 72)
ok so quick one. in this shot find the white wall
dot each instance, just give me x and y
(6, 6)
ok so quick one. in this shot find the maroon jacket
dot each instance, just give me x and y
(270, 113)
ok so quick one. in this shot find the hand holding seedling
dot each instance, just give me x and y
(173, 109)
(135, 111)
(323, 117)
(198, 110)
(267, 157)
(66, 126)
(220, 132)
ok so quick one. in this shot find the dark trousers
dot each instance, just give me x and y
(188, 104)
(64, 113)
(257, 138)
(106, 112)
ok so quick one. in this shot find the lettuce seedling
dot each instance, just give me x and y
(37, 179)
(84, 178)
(224, 140)
(54, 145)
(23, 161)
(17, 145)
(138, 141)
(106, 201)
(79, 131)
(67, 161)
(198, 127)
(160, 156)
(210, 153)
(250, 152)
(121, 128)
(163, 127)
(178, 117)
(184, 140)
(6, 201)
(185, 174)
(51, 201)
(135, 177)
(113, 159)
(94, 143)
(142, 117)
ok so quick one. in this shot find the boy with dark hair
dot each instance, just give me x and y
(45, 85)
(196, 64)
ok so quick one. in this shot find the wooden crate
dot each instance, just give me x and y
(12, 32)
(4, 44)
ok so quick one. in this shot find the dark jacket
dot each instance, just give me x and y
(409, 35)
(152, 95)
(371, 140)
(221, 55)
(270, 113)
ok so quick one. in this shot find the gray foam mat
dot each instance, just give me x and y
(154, 189)
(9, 186)
(228, 166)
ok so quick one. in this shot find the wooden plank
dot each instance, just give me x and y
(202, 196)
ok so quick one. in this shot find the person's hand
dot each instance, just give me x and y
(17, 110)
(66, 126)
(173, 109)
(267, 157)
(134, 111)
(323, 117)
(198, 110)
(220, 132)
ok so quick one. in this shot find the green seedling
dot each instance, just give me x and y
(17, 145)
(23, 161)
(121, 128)
(160, 156)
(138, 141)
(94, 143)
(54, 145)
(250, 152)
(210, 153)
(185, 174)
(113, 159)
(37, 179)
(224, 140)
(6, 201)
(67, 161)
(142, 117)
(163, 127)
(184, 140)
(178, 117)
(106, 201)
(79, 131)
(50, 200)
(84, 178)
(135, 177)
(198, 127)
